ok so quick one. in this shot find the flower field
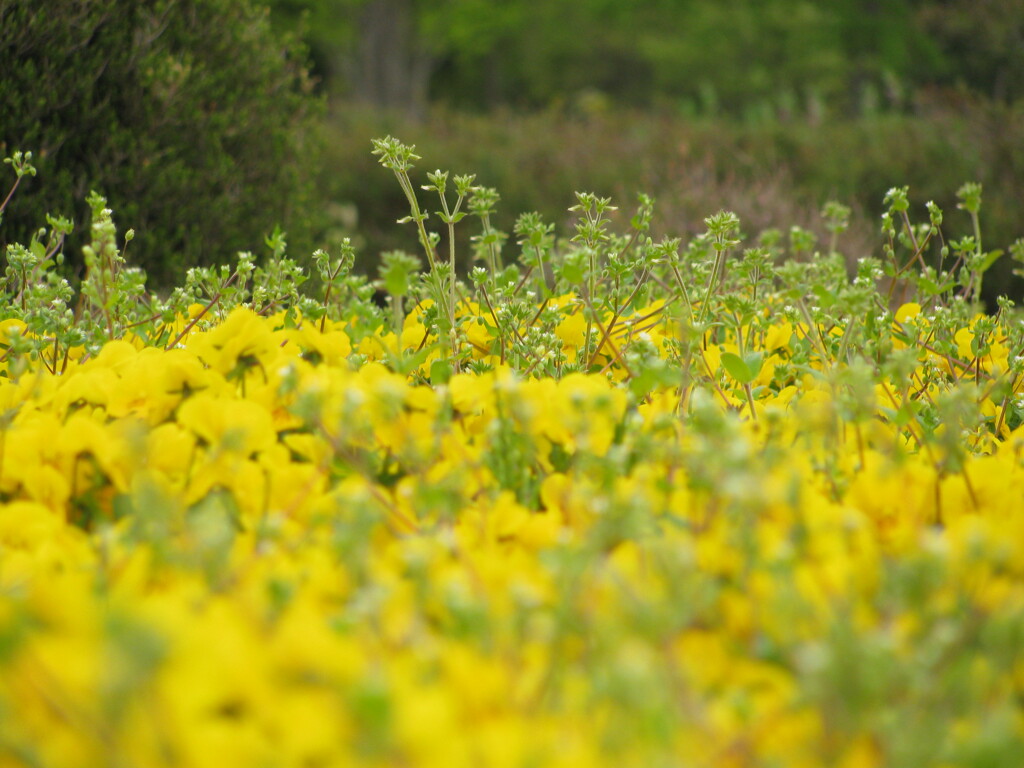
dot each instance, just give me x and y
(727, 521)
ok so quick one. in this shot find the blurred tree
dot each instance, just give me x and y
(388, 53)
(982, 42)
(391, 61)
(744, 57)
(192, 116)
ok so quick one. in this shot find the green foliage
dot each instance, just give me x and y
(748, 58)
(192, 117)
(981, 42)
(602, 286)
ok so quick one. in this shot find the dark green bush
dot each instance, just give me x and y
(191, 116)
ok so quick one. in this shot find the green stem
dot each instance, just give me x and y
(712, 282)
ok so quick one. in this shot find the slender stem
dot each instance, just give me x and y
(712, 283)
(210, 304)
(977, 253)
(615, 351)
(1002, 416)
(913, 239)
(522, 280)
(750, 402)
(537, 314)
(410, 196)
(683, 291)
(399, 321)
(10, 194)
(812, 326)
(327, 294)
(844, 342)
(494, 316)
(615, 318)
(540, 263)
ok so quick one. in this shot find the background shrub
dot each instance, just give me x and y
(771, 174)
(191, 116)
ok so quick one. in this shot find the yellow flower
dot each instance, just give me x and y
(331, 347)
(225, 424)
(241, 343)
(572, 330)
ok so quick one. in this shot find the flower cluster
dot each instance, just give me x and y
(282, 542)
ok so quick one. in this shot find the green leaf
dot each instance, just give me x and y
(988, 260)
(737, 368)
(405, 364)
(572, 272)
(396, 281)
(440, 372)
(826, 298)
(932, 288)
(754, 361)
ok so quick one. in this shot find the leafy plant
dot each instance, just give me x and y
(719, 488)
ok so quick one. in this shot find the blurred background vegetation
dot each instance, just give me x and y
(766, 107)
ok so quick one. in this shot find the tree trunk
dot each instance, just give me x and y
(390, 67)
